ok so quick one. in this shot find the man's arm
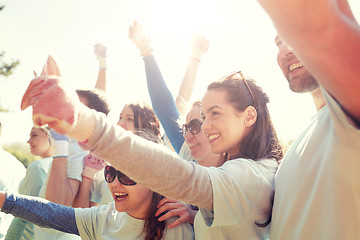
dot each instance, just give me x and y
(326, 37)
(60, 188)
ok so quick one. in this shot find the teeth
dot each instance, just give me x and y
(213, 136)
(120, 194)
(295, 66)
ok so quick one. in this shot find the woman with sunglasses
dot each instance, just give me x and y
(94, 191)
(130, 216)
(187, 140)
(235, 200)
(169, 111)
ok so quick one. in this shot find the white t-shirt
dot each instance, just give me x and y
(75, 166)
(12, 171)
(104, 222)
(242, 193)
(318, 185)
(100, 192)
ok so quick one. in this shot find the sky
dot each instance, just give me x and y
(240, 33)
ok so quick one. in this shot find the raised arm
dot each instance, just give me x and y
(161, 98)
(60, 187)
(100, 52)
(326, 37)
(40, 212)
(199, 46)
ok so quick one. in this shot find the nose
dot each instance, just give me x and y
(188, 134)
(120, 123)
(206, 125)
(28, 141)
(284, 50)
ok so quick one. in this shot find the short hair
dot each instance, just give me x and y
(97, 99)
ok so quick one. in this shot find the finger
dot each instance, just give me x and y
(165, 200)
(169, 214)
(162, 209)
(177, 222)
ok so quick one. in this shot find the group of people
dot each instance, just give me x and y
(220, 175)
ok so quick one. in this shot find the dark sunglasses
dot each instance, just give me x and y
(239, 75)
(194, 126)
(110, 174)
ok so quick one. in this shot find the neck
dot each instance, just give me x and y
(212, 161)
(318, 98)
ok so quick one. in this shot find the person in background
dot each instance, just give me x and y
(65, 175)
(235, 200)
(170, 111)
(39, 142)
(131, 214)
(135, 117)
(317, 184)
(188, 140)
(12, 171)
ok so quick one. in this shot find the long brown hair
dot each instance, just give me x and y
(153, 228)
(262, 141)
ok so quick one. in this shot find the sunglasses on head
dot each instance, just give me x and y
(239, 75)
(111, 173)
(194, 126)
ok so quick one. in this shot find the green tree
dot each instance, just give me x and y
(7, 68)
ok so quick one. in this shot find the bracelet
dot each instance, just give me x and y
(60, 156)
(87, 177)
(195, 59)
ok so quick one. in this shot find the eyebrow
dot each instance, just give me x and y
(212, 108)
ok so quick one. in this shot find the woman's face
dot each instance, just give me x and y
(126, 119)
(224, 126)
(39, 143)
(135, 200)
(198, 143)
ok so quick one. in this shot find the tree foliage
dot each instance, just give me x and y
(6, 69)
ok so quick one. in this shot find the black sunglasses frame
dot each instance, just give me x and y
(191, 126)
(112, 173)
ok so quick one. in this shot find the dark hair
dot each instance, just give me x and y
(145, 117)
(153, 228)
(262, 141)
(97, 99)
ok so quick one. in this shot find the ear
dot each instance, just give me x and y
(251, 116)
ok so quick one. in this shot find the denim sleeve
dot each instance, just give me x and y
(41, 212)
(163, 103)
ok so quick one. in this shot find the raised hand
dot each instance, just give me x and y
(199, 46)
(51, 104)
(175, 208)
(93, 165)
(139, 36)
(100, 52)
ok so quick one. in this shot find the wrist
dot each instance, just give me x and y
(85, 125)
(60, 148)
(89, 172)
(102, 63)
(195, 59)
